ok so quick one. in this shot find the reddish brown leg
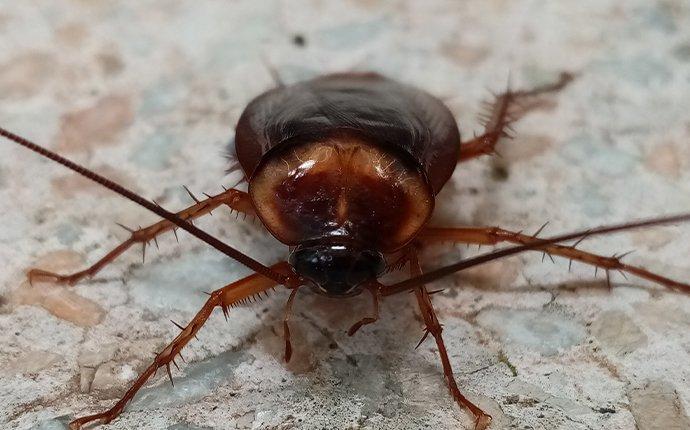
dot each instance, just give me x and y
(495, 235)
(433, 327)
(506, 109)
(224, 298)
(286, 326)
(234, 199)
(375, 296)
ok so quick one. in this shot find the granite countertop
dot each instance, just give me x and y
(148, 93)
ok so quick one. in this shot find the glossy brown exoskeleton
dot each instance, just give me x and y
(345, 169)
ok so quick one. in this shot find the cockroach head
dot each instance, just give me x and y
(337, 269)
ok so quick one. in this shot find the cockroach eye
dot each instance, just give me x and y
(337, 270)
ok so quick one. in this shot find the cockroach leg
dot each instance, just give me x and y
(505, 110)
(375, 296)
(433, 327)
(224, 298)
(495, 235)
(234, 199)
(286, 326)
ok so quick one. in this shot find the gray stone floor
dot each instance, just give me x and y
(148, 93)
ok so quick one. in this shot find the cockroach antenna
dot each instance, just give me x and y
(141, 201)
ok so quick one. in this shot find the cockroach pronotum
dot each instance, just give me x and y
(344, 170)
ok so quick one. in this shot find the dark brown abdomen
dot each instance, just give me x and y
(376, 109)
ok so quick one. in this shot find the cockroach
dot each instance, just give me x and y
(344, 169)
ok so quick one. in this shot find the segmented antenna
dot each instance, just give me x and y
(481, 259)
(141, 201)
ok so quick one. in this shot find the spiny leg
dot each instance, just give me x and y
(481, 419)
(501, 114)
(236, 200)
(375, 297)
(224, 298)
(495, 235)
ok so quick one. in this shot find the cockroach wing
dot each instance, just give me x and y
(376, 109)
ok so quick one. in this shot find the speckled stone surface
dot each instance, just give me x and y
(148, 93)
